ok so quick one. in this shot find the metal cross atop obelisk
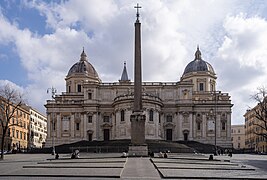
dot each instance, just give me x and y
(137, 13)
(138, 146)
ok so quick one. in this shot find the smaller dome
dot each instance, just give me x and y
(83, 67)
(198, 65)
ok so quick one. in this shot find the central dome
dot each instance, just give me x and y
(198, 65)
(83, 67)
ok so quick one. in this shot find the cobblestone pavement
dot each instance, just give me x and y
(112, 166)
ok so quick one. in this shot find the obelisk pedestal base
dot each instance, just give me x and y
(138, 150)
(138, 146)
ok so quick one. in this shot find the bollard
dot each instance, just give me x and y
(211, 157)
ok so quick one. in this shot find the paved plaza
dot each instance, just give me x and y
(112, 166)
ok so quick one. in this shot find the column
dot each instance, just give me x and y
(49, 125)
(180, 126)
(72, 130)
(85, 126)
(219, 126)
(97, 125)
(228, 123)
(191, 126)
(82, 126)
(58, 130)
(204, 126)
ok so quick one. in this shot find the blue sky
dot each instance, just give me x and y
(41, 40)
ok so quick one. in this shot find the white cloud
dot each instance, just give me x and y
(243, 54)
(12, 85)
(234, 43)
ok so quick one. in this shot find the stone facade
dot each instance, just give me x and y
(190, 109)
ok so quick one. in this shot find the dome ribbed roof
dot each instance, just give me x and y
(198, 65)
(83, 67)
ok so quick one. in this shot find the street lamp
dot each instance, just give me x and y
(53, 92)
(215, 123)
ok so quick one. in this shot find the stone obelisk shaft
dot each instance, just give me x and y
(138, 146)
(137, 69)
(137, 118)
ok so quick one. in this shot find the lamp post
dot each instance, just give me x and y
(215, 123)
(53, 92)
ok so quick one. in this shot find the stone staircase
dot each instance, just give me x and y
(117, 146)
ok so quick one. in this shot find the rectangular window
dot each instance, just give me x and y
(77, 126)
(151, 115)
(122, 115)
(17, 134)
(159, 118)
(201, 86)
(89, 95)
(106, 119)
(223, 125)
(69, 89)
(169, 118)
(79, 88)
(54, 126)
(90, 119)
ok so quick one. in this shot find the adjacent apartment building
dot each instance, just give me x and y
(238, 136)
(17, 137)
(253, 141)
(38, 128)
(27, 128)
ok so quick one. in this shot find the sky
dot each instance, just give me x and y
(41, 40)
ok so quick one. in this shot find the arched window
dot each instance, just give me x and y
(151, 115)
(122, 115)
(77, 126)
(198, 125)
(223, 125)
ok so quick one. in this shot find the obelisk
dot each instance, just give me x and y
(138, 146)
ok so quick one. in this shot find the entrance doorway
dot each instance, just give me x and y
(106, 134)
(169, 134)
(185, 136)
(90, 137)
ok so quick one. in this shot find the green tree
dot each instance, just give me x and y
(10, 101)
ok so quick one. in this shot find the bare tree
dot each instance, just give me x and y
(260, 112)
(10, 101)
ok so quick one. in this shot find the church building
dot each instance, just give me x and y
(191, 109)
